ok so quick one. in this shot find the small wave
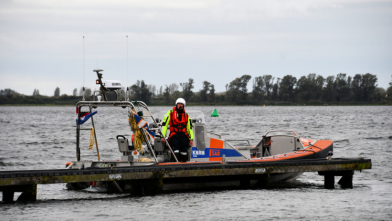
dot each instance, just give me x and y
(339, 141)
(373, 138)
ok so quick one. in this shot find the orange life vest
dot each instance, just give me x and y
(176, 125)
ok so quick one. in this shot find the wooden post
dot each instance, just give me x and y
(29, 195)
(329, 181)
(245, 183)
(8, 196)
(146, 187)
(263, 181)
(347, 180)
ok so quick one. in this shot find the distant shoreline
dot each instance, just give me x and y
(209, 105)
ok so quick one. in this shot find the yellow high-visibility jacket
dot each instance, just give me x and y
(166, 120)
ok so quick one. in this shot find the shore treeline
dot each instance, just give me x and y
(312, 89)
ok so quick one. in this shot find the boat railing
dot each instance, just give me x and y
(215, 134)
(281, 132)
(240, 140)
(247, 147)
(123, 104)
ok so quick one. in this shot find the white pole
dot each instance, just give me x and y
(127, 70)
(83, 68)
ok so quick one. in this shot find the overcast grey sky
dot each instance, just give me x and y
(174, 40)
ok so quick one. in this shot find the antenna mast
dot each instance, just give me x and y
(127, 70)
(83, 68)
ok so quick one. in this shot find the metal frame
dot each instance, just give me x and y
(290, 131)
(123, 104)
(144, 105)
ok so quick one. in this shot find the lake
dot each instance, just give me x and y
(44, 138)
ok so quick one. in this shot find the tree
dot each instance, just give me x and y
(238, 89)
(286, 88)
(139, 91)
(329, 90)
(310, 87)
(303, 85)
(390, 83)
(268, 82)
(88, 92)
(258, 89)
(204, 92)
(275, 90)
(57, 92)
(36, 93)
(319, 84)
(8, 93)
(166, 94)
(161, 90)
(173, 87)
(211, 95)
(75, 92)
(342, 87)
(369, 87)
(187, 89)
(389, 91)
(153, 89)
(356, 87)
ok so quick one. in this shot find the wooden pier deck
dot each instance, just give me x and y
(155, 176)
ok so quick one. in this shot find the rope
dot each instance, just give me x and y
(92, 139)
(138, 136)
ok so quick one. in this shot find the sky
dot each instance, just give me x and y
(42, 44)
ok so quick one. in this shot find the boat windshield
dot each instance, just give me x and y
(193, 114)
(281, 132)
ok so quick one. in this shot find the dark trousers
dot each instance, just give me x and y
(179, 143)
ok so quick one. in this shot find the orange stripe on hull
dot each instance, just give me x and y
(215, 143)
(320, 145)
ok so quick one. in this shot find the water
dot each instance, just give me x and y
(44, 137)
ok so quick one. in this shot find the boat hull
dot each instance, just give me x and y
(318, 150)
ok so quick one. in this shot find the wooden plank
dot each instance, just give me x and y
(177, 172)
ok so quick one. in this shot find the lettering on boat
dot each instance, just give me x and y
(115, 176)
(260, 170)
(214, 153)
(195, 153)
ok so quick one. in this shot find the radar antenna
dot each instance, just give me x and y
(99, 81)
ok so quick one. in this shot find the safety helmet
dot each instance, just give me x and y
(181, 101)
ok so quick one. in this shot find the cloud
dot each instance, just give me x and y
(45, 38)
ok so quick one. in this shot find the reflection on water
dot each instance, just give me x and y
(44, 137)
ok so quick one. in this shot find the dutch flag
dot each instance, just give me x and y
(84, 116)
(143, 124)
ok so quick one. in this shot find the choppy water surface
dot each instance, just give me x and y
(44, 138)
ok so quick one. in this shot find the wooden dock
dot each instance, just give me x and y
(152, 178)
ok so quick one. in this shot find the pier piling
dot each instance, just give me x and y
(345, 182)
(29, 193)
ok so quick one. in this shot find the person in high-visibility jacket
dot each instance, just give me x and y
(181, 134)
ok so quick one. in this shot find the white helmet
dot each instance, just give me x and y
(181, 101)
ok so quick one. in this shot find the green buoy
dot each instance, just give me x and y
(214, 113)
